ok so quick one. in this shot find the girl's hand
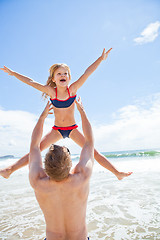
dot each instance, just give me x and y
(7, 70)
(105, 54)
(47, 110)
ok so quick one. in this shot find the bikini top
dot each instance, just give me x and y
(63, 103)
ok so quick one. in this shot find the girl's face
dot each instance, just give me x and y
(61, 77)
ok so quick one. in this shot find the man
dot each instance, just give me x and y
(62, 195)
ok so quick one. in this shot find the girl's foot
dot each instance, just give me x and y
(121, 175)
(6, 172)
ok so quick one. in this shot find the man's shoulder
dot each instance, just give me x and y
(83, 173)
(43, 184)
(78, 179)
(74, 181)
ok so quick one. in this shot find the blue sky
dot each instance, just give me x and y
(121, 97)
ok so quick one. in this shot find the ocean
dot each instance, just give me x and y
(117, 210)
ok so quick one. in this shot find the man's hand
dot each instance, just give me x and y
(105, 54)
(47, 110)
(79, 104)
(7, 70)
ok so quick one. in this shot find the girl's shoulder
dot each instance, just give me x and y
(72, 90)
(51, 92)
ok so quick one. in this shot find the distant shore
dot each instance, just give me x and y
(7, 156)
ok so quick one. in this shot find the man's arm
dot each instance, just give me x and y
(35, 160)
(77, 84)
(86, 161)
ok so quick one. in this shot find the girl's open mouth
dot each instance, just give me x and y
(62, 80)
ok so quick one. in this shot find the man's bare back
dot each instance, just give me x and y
(66, 220)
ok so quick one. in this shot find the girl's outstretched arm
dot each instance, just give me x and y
(77, 84)
(27, 80)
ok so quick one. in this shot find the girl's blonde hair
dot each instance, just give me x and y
(52, 70)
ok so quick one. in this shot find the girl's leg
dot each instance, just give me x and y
(78, 138)
(52, 137)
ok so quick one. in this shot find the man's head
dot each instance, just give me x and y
(58, 163)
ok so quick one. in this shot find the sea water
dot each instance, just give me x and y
(117, 210)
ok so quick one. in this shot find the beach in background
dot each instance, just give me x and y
(117, 210)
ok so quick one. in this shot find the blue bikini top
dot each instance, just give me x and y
(63, 103)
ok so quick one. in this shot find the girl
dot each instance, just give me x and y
(63, 100)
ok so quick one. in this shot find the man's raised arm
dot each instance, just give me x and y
(86, 161)
(35, 159)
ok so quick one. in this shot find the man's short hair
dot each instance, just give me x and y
(58, 163)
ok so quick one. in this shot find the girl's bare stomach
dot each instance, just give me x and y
(64, 118)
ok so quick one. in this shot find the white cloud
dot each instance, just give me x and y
(15, 131)
(149, 34)
(135, 126)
